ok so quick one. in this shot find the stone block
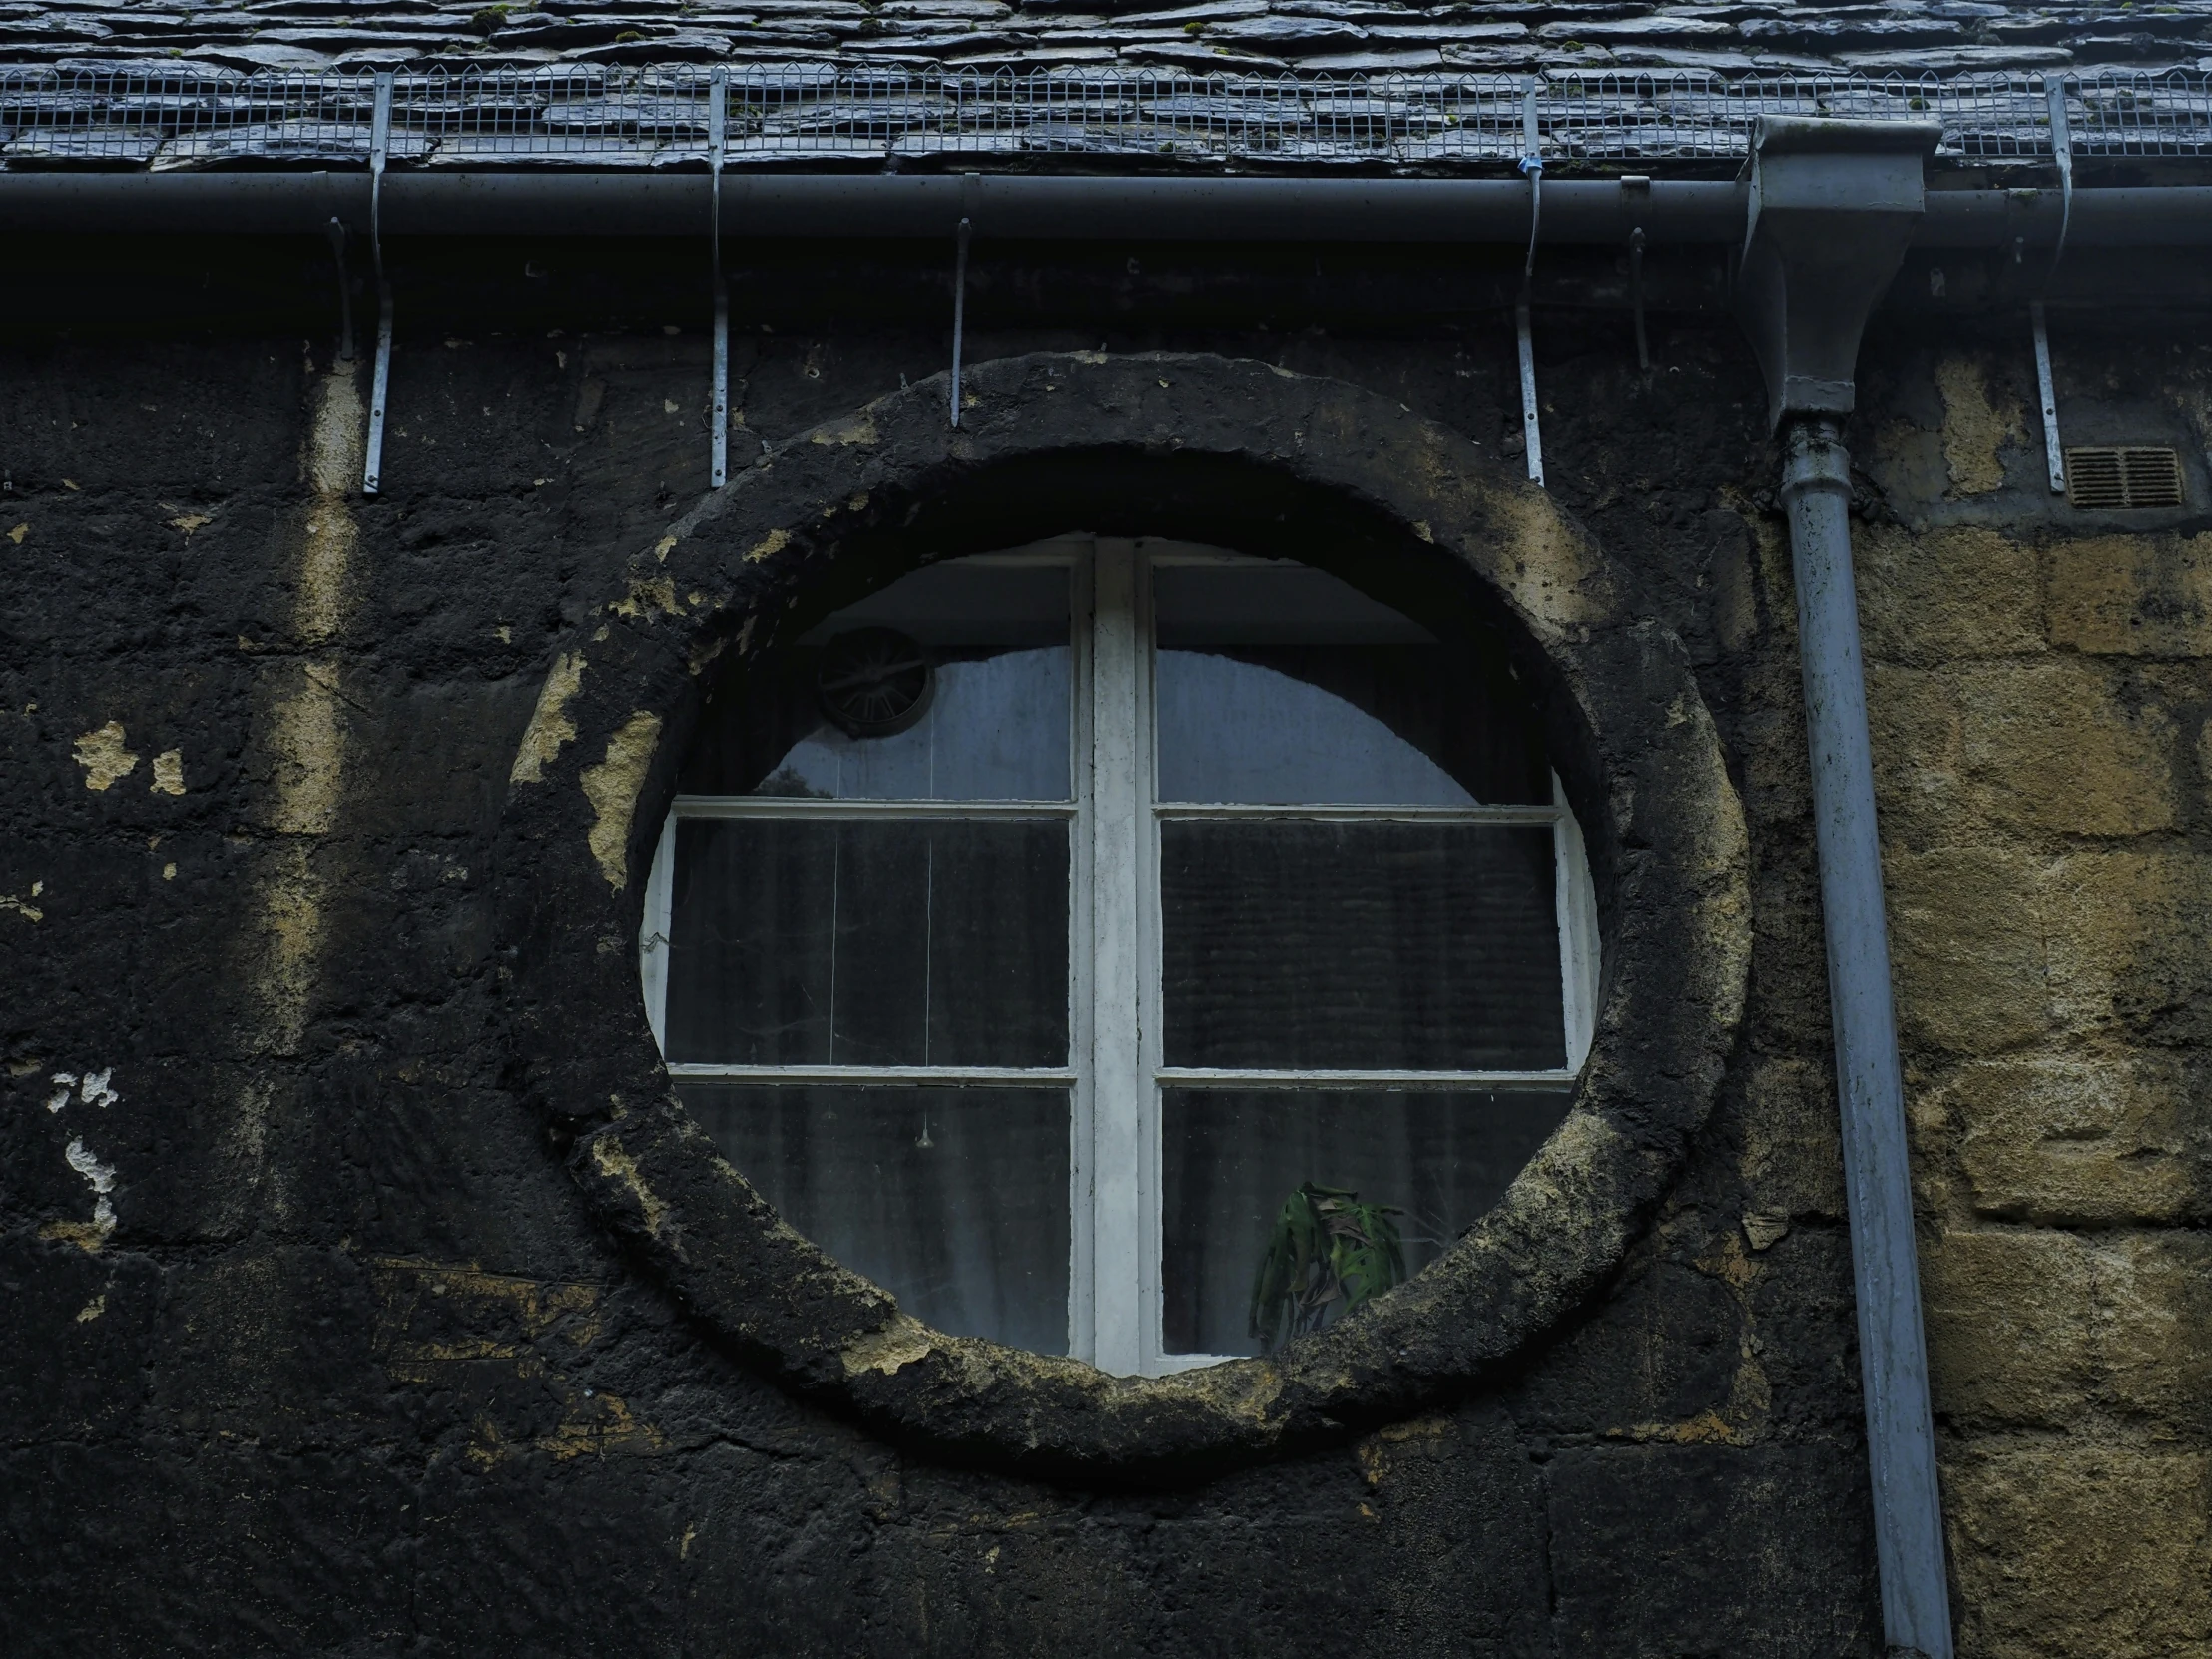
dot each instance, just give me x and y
(2154, 1337)
(2012, 1327)
(2101, 1140)
(2137, 595)
(1793, 1161)
(2039, 747)
(2078, 1552)
(2125, 948)
(1966, 949)
(1946, 593)
(1683, 1550)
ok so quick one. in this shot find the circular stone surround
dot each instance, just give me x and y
(1198, 448)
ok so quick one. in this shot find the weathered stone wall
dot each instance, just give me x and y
(2040, 689)
(313, 1347)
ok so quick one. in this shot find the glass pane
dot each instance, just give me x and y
(1276, 683)
(951, 683)
(954, 1200)
(1231, 1160)
(899, 943)
(1298, 944)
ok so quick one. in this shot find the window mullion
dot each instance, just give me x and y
(1120, 1158)
(1082, 979)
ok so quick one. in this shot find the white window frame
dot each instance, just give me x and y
(1115, 1076)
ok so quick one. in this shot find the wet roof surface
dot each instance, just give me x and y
(1300, 83)
(1339, 37)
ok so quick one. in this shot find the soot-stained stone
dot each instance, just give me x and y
(277, 1438)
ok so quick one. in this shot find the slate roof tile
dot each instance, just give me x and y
(1289, 37)
(1949, 60)
(537, 44)
(1655, 27)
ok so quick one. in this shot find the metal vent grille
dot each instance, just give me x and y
(2123, 478)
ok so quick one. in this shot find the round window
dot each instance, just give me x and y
(1124, 950)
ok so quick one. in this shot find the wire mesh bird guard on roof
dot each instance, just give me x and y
(186, 116)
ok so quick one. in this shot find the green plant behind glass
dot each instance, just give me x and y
(1326, 1254)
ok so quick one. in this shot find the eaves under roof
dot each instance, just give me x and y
(1300, 83)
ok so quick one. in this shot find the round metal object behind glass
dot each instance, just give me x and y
(874, 682)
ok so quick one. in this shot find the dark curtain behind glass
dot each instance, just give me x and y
(896, 941)
(954, 1200)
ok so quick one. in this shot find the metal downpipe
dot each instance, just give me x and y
(1877, 1183)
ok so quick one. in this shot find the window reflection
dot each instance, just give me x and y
(1278, 684)
(997, 724)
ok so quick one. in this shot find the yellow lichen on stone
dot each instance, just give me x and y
(613, 1160)
(612, 789)
(103, 755)
(769, 546)
(648, 594)
(861, 430)
(549, 725)
(897, 1343)
(169, 773)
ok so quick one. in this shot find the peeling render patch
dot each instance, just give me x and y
(169, 773)
(612, 789)
(549, 725)
(92, 1089)
(102, 754)
(332, 463)
(310, 742)
(88, 1235)
(283, 944)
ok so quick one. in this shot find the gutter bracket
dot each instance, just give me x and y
(968, 184)
(1532, 164)
(1833, 203)
(718, 114)
(1531, 430)
(2046, 383)
(2061, 151)
(380, 151)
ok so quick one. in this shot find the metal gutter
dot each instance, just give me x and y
(1075, 207)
